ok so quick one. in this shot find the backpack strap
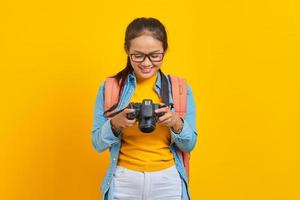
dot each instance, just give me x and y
(179, 94)
(111, 95)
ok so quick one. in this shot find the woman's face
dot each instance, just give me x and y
(142, 65)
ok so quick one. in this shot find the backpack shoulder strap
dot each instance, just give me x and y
(179, 94)
(111, 94)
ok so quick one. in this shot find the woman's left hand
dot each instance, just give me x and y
(169, 119)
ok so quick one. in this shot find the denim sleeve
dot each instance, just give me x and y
(186, 139)
(102, 135)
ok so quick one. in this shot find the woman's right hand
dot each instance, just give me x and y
(120, 121)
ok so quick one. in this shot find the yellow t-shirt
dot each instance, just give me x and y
(146, 151)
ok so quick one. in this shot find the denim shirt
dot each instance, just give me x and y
(103, 137)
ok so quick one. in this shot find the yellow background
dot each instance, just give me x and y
(241, 59)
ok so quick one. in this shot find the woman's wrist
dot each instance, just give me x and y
(177, 128)
(114, 128)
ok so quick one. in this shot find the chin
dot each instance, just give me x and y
(147, 75)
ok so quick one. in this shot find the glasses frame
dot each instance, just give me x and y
(146, 56)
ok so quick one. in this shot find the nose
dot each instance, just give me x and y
(147, 62)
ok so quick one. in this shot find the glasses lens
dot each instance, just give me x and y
(137, 57)
(156, 57)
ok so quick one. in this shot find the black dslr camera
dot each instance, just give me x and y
(144, 113)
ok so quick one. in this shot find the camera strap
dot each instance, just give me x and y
(112, 87)
(164, 89)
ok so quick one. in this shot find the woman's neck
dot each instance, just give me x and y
(152, 80)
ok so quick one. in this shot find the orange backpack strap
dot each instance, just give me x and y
(111, 94)
(179, 94)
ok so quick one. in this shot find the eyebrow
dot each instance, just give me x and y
(148, 53)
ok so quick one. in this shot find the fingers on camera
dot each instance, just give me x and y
(129, 110)
(159, 110)
(130, 121)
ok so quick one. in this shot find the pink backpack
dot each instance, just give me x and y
(179, 94)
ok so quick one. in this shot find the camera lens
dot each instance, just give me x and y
(147, 125)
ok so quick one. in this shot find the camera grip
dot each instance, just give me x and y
(134, 114)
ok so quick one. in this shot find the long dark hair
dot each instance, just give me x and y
(136, 28)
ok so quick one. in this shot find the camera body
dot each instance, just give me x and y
(144, 113)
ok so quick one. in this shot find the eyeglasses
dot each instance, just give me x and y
(140, 57)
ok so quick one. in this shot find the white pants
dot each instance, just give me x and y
(158, 185)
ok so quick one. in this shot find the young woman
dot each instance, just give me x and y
(144, 165)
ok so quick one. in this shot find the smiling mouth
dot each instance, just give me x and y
(146, 70)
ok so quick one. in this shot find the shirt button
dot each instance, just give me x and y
(114, 159)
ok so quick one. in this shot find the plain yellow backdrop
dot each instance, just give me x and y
(241, 58)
